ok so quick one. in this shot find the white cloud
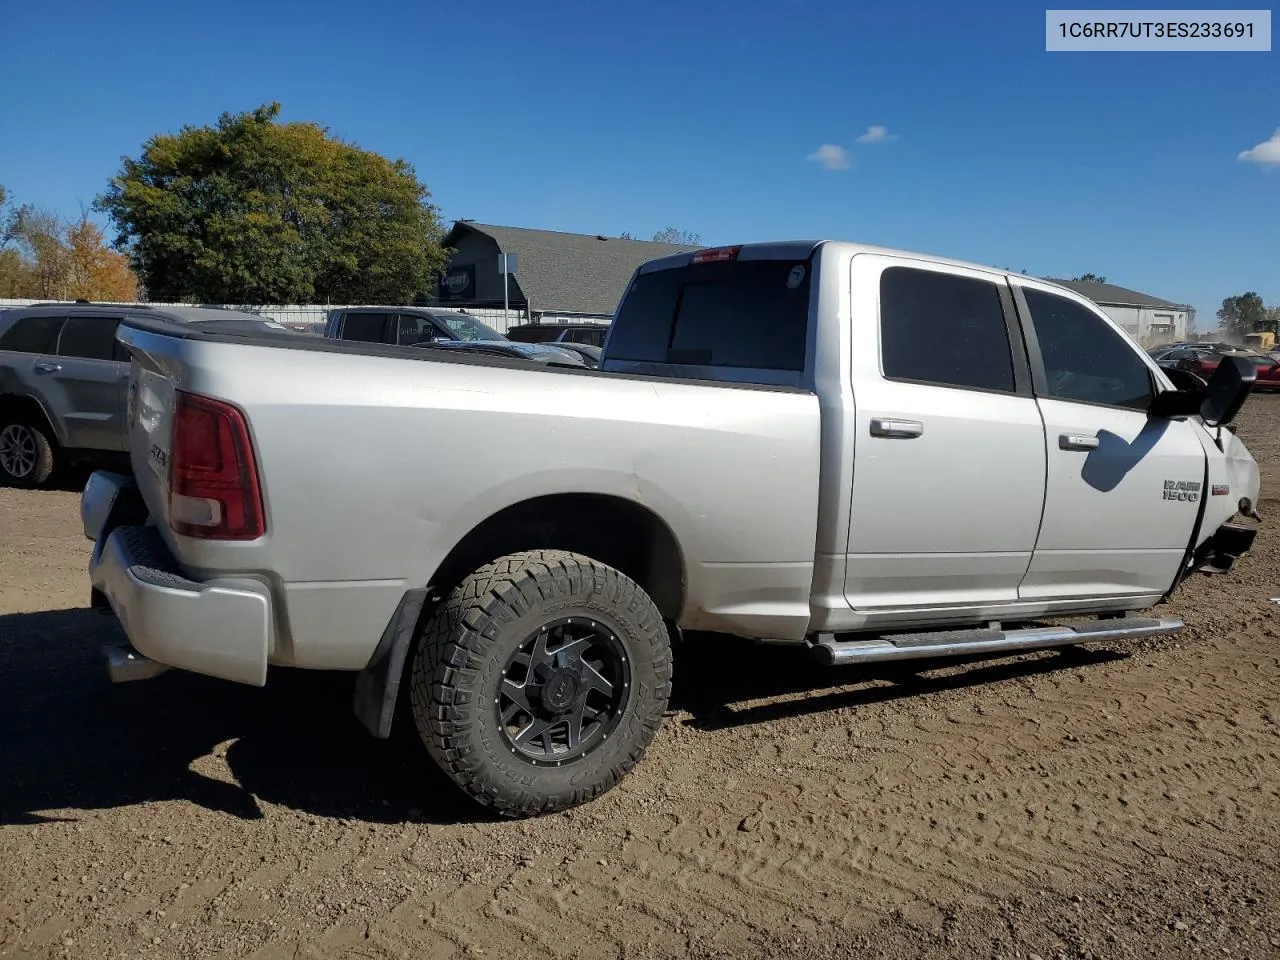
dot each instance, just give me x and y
(831, 156)
(1265, 154)
(877, 134)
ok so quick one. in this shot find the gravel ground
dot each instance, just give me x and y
(1106, 801)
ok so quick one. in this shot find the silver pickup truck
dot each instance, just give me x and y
(869, 454)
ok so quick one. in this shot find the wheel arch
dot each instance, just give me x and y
(27, 406)
(612, 530)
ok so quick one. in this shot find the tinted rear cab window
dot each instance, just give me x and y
(740, 313)
(944, 329)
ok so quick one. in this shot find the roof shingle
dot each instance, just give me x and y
(571, 272)
(1112, 295)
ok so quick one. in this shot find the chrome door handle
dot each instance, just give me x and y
(896, 429)
(45, 367)
(1077, 441)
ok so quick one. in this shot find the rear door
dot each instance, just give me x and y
(367, 326)
(86, 380)
(1123, 488)
(949, 465)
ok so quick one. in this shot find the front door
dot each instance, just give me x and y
(949, 465)
(1123, 488)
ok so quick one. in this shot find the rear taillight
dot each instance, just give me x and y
(213, 478)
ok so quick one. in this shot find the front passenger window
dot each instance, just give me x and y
(1085, 360)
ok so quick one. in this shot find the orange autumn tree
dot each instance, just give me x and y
(94, 271)
(44, 257)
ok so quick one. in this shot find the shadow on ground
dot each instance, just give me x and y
(71, 741)
(715, 674)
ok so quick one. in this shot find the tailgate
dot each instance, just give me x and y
(149, 408)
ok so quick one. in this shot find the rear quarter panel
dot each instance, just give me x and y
(374, 467)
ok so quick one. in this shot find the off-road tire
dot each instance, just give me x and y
(462, 656)
(46, 455)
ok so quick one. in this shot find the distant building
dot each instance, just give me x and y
(559, 276)
(1147, 319)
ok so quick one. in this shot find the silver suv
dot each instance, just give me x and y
(63, 378)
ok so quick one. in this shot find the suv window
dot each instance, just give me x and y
(1085, 360)
(748, 313)
(93, 338)
(366, 327)
(32, 335)
(593, 337)
(943, 329)
(413, 328)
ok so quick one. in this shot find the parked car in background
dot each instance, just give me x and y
(589, 333)
(405, 325)
(1267, 368)
(590, 354)
(1200, 361)
(1204, 363)
(533, 352)
(63, 379)
(412, 326)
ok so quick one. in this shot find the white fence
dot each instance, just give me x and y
(304, 314)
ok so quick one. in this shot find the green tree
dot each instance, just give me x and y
(1243, 313)
(253, 210)
(1090, 278)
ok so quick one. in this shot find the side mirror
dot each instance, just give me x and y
(1177, 403)
(1185, 379)
(1227, 390)
(1184, 400)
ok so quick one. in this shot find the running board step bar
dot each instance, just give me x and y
(955, 643)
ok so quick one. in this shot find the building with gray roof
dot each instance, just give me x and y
(1147, 319)
(558, 276)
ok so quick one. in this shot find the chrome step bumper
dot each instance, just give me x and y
(955, 643)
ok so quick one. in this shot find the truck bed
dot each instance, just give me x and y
(376, 460)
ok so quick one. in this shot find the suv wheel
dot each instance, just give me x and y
(26, 454)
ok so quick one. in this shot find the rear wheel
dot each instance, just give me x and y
(541, 681)
(27, 456)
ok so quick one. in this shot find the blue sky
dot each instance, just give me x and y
(599, 118)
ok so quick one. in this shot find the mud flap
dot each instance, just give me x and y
(378, 684)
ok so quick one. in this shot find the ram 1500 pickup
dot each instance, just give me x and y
(869, 454)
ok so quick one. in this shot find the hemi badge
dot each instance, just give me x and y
(1221, 489)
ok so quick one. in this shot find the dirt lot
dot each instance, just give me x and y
(1109, 801)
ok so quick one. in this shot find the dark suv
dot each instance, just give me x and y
(591, 334)
(63, 380)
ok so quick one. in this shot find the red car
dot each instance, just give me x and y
(1203, 363)
(1268, 370)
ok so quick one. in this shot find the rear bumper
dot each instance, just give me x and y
(215, 628)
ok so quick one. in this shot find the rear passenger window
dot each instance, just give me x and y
(943, 329)
(749, 313)
(93, 338)
(1085, 360)
(32, 335)
(365, 327)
